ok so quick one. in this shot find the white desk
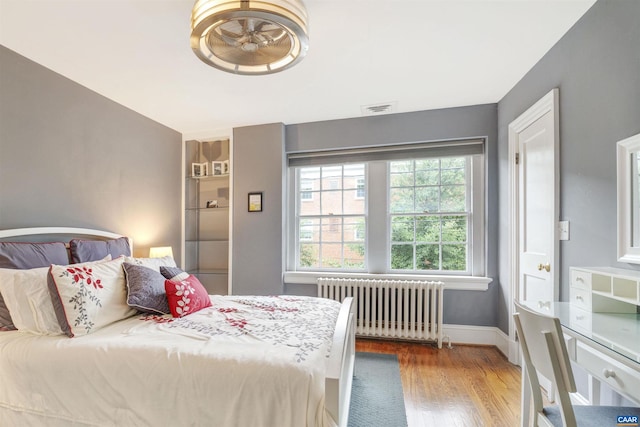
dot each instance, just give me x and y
(606, 345)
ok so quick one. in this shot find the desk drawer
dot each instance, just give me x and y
(580, 298)
(615, 374)
(580, 319)
(580, 279)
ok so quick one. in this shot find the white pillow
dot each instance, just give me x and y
(89, 296)
(27, 297)
(152, 263)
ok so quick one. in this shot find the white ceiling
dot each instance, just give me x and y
(420, 54)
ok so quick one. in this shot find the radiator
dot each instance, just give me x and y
(401, 309)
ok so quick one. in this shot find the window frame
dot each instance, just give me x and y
(377, 246)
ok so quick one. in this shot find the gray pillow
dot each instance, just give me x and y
(170, 272)
(25, 256)
(145, 289)
(95, 250)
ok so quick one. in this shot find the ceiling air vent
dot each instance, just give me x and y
(376, 109)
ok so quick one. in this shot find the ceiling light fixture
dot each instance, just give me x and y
(250, 37)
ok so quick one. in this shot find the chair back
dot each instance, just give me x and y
(544, 351)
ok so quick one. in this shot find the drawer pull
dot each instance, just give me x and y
(579, 298)
(579, 279)
(544, 304)
(609, 373)
(579, 317)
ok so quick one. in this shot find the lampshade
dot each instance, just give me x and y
(160, 251)
(250, 37)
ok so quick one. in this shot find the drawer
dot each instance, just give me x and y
(580, 279)
(579, 319)
(610, 371)
(580, 298)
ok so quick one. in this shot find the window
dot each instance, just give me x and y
(428, 214)
(417, 211)
(327, 236)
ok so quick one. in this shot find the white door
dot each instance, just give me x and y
(537, 210)
(535, 136)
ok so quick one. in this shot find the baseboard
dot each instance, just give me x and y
(479, 335)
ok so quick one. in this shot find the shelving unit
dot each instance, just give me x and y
(207, 228)
(605, 289)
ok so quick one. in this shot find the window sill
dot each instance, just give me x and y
(466, 283)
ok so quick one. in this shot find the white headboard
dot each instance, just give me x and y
(88, 233)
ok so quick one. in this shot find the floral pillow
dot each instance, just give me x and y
(88, 297)
(186, 296)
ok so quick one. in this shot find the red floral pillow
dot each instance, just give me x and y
(186, 296)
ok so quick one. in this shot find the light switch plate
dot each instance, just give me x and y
(563, 227)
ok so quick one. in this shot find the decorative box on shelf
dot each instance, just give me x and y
(605, 289)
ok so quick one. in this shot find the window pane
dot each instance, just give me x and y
(453, 162)
(331, 229)
(331, 202)
(428, 229)
(332, 255)
(308, 256)
(353, 175)
(401, 179)
(402, 257)
(309, 229)
(404, 166)
(354, 255)
(401, 200)
(453, 198)
(454, 257)
(427, 164)
(353, 204)
(454, 229)
(453, 176)
(428, 177)
(427, 199)
(427, 257)
(402, 229)
(311, 206)
(331, 177)
(354, 229)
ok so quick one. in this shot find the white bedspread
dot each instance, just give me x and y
(245, 361)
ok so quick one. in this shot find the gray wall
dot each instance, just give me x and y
(70, 157)
(257, 237)
(596, 66)
(257, 247)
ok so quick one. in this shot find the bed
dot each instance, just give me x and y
(234, 361)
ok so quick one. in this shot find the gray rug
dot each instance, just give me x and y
(376, 396)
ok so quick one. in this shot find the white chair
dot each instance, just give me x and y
(544, 351)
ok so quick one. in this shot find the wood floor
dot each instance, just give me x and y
(464, 386)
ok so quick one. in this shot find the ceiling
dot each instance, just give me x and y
(416, 54)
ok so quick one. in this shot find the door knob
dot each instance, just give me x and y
(546, 267)
(544, 305)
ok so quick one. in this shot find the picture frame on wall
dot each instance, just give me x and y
(199, 170)
(255, 201)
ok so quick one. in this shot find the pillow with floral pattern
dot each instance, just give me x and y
(186, 295)
(88, 297)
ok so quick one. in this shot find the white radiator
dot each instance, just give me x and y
(405, 309)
